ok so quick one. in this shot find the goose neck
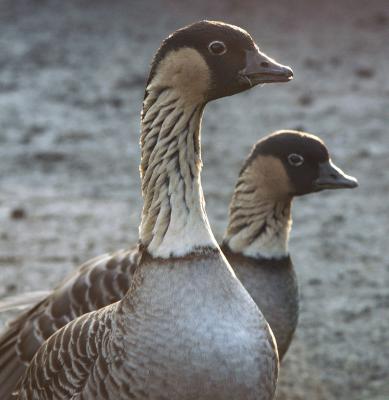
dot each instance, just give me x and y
(174, 222)
(259, 225)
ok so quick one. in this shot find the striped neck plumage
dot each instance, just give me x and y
(259, 225)
(174, 222)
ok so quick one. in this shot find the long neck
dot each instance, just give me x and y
(174, 222)
(259, 224)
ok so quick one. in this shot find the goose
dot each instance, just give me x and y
(186, 328)
(281, 166)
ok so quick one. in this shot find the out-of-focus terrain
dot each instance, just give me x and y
(71, 86)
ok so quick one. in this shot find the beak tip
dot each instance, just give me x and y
(350, 182)
(288, 72)
(355, 184)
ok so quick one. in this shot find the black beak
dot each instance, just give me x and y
(262, 69)
(332, 177)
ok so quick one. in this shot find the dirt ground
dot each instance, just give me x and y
(71, 85)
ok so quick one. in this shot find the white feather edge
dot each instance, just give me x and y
(22, 301)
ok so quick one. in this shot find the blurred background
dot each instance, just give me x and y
(72, 77)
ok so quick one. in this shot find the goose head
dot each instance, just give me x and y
(291, 163)
(208, 60)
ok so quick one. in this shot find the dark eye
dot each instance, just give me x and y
(217, 48)
(295, 159)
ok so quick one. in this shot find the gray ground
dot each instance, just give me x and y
(71, 85)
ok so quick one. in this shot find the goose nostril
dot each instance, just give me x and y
(335, 176)
(264, 64)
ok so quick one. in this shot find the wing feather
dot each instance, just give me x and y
(95, 284)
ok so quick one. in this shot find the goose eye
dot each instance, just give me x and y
(295, 159)
(217, 48)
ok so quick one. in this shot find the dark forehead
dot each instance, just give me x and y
(283, 143)
(203, 32)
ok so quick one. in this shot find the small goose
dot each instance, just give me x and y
(186, 328)
(280, 166)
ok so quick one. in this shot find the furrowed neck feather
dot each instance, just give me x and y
(174, 222)
(259, 220)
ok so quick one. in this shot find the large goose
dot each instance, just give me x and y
(281, 166)
(186, 328)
